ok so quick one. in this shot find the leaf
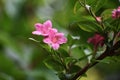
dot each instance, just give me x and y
(111, 59)
(69, 60)
(116, 58)
(96, 4)
(89, 26)
(33, 39)
(110, 36)
(77, 53)
(74, 69)
(69, 75)
(99, 4)
(76, 7)
(106, 14)
(72, 40)
(53, 64)
(63, 53)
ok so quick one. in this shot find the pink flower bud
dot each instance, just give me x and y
(99, 19)
(116, 13)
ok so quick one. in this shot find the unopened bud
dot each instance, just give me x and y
(87, 7)
(99, 19)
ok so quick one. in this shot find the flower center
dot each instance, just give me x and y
(55, 39)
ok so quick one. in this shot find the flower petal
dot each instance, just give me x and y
(36, 32)
(55, 46)
(47, 40)
(48, 24)
(52, 33)
(62, 40)
(38, 26)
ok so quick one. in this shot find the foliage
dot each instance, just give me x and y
(24, 56)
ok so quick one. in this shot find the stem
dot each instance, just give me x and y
(82, 4)
(118, 22)
(81, 72)
(69, 50)
(108, 52)
(91, 13)
(61, 59)
(94, 16)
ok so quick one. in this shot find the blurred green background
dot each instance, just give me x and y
(21, 58)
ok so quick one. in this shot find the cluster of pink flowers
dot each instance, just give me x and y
(96, 40)
(116, 13)
(51, 36)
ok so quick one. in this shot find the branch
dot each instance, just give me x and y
(108, 52)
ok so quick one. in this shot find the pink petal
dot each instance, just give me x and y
(48, 24)
(45, 34)
(47, 40)
(38, 26)
(36, 33)
(55, 46)
(63, 40)
(60, 34)
(52, 32)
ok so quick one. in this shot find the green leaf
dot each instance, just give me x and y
(116, 58)
(74, 69)
(72, 41)
(111, 59)
(69, 60)
(86, 28)
(76, 7)
(89, 26)
(106, 14)
(77, 53)
(53, 64)
(63, 53)
(69, 75)
(97, 4)
(110, 36)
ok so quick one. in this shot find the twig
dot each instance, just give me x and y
(108, 52)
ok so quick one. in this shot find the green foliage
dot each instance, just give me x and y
(106, 14)
(89, 26)
(23, 59)
(97, 4)
(76, 7)
(51, 64)
(110, 60)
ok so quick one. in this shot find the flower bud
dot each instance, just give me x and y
(87, 7)
(116, 13)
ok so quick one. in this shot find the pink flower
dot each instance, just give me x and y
(51, 35)
(42, 29)
(55, 39)
(96, 40)
(116, 13)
